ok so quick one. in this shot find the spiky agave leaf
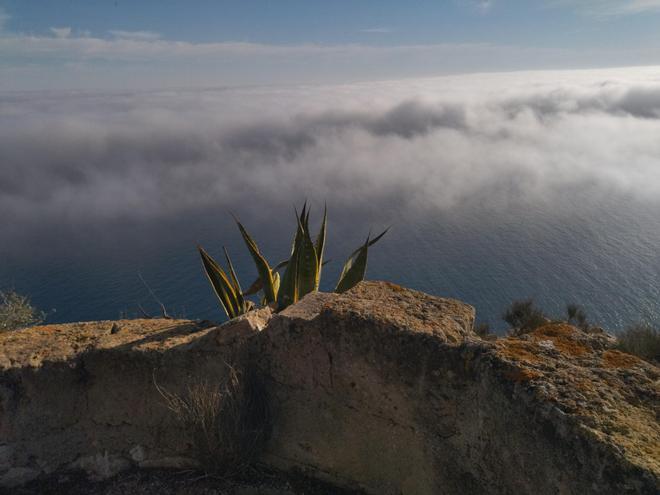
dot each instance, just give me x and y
(306, 222)
(276, 282)
(288, 293)
(263, 269)
(355, 267)
(302, 274)
(307, 262)
(304, 214)
(221, 284)
(234, 282)
(319, 245)
(254, 288)
(279, 266)
(300, 220)
(371, 242)
(258, 284)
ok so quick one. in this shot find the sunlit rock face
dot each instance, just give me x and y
(389, 390)
(381, 389)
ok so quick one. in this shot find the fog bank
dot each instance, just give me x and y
(443, 143)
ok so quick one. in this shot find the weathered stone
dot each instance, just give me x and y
(169, 463)
(6, 457)
(138, 454)
(382, 389)
(348, 375)
(79, 395)
(388, 390)
(234, 331)
(101, 466)
(18, 476)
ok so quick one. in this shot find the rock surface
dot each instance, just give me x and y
(83, 396)
(381, 389)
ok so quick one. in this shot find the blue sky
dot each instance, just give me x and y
(149, 43)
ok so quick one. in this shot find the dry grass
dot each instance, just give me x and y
(483, 330)
(641, 340)
(16, 312)
(523, 317)
(227, 423)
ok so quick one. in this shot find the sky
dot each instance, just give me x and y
(118, 44)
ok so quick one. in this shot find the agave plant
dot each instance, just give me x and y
(226, 287)
(355, 267)
(302, 271)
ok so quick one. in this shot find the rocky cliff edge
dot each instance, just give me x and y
(382, 389)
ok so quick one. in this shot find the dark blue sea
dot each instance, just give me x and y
(605, 257)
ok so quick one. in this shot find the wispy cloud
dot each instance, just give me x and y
(480, 6)
(61, 32)
(135, 35)
(484, 6)
(68, 59)
(377, 30)
(33, 61)
(610, 7)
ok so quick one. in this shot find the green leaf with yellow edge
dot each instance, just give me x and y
(371, 242)
(319, 246)
(238, 293)
(220, 283)
(258, 284)
(263, 269)
(308, 265)
(276, 282)
(354, 269)
(288, 293)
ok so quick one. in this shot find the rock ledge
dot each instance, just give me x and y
(382, 389)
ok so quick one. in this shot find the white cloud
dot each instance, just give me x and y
(531, 138)
(135, 35)
(61, 33)
(377, 30)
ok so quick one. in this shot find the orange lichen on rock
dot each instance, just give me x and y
(518, 350)
(48, 329)
(394, 287)
(618, 359)
(564, 337)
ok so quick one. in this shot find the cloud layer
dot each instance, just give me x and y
(434, 143)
